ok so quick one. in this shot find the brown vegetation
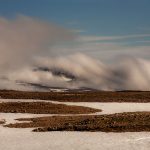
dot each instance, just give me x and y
(93, 96)
(2, 121)
(44, 108)
(121, 122)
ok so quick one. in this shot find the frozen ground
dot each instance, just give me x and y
(24, 139)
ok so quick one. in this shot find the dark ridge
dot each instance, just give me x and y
(80, 96)
(57, 72)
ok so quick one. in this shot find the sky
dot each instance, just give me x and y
(98, 17)
(85, 34)
(93, 19)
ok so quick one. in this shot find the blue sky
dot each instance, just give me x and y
(98, 18)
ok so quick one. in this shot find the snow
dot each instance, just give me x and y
(10, 117)
(24, 139)
(111, 108)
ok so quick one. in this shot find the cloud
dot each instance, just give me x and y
(110, 38)
(125, 74)
(23, 38)
(105, 51)
(78, 30)
(27, 44)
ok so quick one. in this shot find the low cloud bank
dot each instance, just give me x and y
(27, 63)
(81, 71)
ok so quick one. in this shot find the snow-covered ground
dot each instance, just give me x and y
(10, 117)
(111, 108)
(24, 139)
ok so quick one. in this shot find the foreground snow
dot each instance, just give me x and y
(24, 139)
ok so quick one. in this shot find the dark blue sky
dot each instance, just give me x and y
(98, 17)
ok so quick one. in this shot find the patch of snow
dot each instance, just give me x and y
(111, 108)
(23, 139)
(10, 117)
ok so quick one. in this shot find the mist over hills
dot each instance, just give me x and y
(30, 61)
(87, 74)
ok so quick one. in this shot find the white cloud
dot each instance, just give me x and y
(23, 38)
(78, 30)
(109, 38)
